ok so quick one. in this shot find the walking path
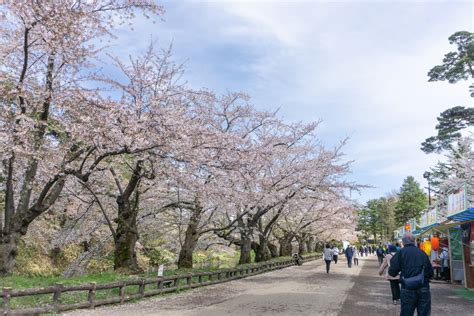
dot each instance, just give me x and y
(303, 290)
(371, 295)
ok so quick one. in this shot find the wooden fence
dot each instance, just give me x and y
(146, 288)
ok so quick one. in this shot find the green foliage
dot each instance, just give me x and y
(450, 124)
(159, 256)
(377, 218)
(456, 65)
(411, 201)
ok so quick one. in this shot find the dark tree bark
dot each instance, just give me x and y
(309, 244)
(191, 238)
(273, 250)
(127, 232)
(262, 252)
(285, 245)
(302, 246)
(245, 248)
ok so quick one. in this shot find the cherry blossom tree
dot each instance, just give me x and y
(52, 124)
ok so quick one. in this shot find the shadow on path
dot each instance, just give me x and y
(371, 296)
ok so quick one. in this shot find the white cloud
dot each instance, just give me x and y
(360, 66)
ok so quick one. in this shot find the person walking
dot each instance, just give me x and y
(415, 271)
(335, 253)
(328, 257)
(394, 281)
(444, 258)
(355, 256)
(349, 254)
(379, 253)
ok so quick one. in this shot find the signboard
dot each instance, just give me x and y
(410, 225)
(457, 201)
(429, 217)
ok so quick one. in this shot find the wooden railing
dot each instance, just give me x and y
(146, 288)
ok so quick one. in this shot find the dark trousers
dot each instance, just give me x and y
(416, 299)
(380, 260)
(446, 274)
(356, 261)
(328, 264)
(334, 257)
(349, 262)
(395, 287)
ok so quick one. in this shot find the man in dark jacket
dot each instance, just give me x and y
(349, 254)
(410, 261)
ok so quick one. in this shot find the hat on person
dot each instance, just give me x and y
(392, 248)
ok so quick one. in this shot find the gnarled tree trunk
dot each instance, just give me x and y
(245, 248)
(285, 245)
(191, 238)
(262, 252)
(126, 238)
(273, 250)
(126, 235)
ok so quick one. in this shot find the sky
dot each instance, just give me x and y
(359, 66)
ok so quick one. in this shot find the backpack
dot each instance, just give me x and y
(379, 252)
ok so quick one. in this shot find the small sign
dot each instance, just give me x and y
(160, 270)
(407, 227)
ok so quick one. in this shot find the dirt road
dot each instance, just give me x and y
(304, 290)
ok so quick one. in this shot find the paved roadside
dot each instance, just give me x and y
(371, 296)
(303, 290)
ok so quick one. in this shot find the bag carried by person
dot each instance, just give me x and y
(415, 282)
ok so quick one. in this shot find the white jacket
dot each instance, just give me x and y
(327, 254)
(335, 251)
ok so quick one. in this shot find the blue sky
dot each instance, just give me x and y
(359, 66)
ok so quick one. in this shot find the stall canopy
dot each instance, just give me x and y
(463, 216)
(425, 229)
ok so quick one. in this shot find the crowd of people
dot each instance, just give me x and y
(407, 268)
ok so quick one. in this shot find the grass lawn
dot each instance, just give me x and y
(21, 282)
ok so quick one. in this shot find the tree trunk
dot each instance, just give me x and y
(191, 238)
(126, 238)
(8, 252)
(302, 246)
(285, 246)
(262, 252)
(245, 249)
(309, 244)
(273, 250)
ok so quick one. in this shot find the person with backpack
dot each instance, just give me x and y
(394, 281)
(415, 271)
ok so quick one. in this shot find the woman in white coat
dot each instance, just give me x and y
(394, 281)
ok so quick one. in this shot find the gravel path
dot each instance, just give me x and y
(303, 290)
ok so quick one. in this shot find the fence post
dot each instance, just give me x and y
(122, 292)
(57, 295)
(141, 288)
(91, 295)
(6, 300)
